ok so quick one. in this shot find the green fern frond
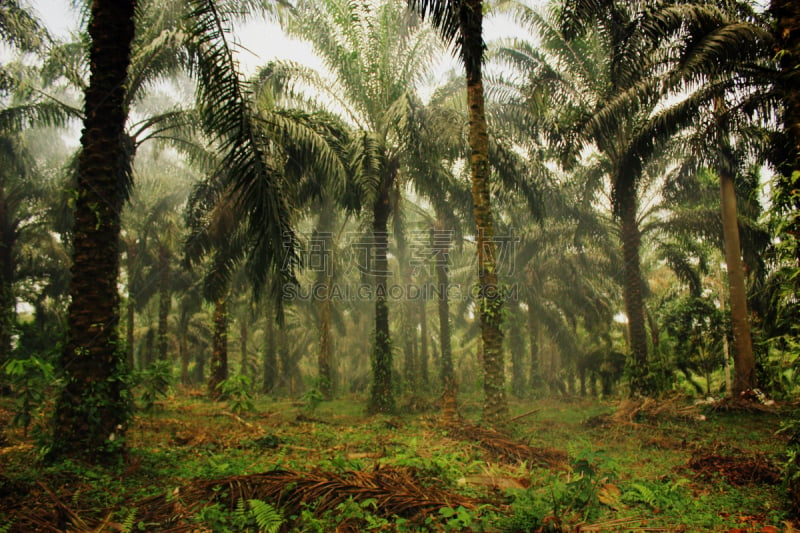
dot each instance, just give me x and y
(268, 518)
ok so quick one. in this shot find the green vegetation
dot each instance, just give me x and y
(624, 466)
(552, 289)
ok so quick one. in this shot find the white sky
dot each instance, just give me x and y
(262, 40)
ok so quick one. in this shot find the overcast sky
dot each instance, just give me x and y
(261, 40)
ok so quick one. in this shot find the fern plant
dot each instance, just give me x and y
(268, 519)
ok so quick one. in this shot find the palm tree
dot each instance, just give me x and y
(92, 411)
(376, 55)
(787, 157)
(461, 25)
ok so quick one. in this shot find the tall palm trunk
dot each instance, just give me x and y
(270, 357)
(441, 249)
(381, 396)
(495, 407)
(744, 366)
(8, 240)
(164, 299)
(324, 281)
(92, 410)
(632, 294)
(219, 354)
(243, 339)
(786, 14)
(517, 350)
(132, 251)
(423, 342)
(535, 368)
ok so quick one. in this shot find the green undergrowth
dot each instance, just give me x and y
(620, 474)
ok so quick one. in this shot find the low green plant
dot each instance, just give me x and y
(236, 390)
(311, 399)
(250, 516)
(32, 378)
(154, 382)
(791, 465)
(458, 519)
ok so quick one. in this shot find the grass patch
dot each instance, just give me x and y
(601, 466)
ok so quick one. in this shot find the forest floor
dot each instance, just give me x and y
(578, 465)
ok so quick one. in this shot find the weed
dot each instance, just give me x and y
(236, 390)
(32, 378)
(154, 383)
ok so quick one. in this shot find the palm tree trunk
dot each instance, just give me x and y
(786, 14)
(164, 299)
(132, 250)
(632, 294)
(441, 249)
(324, 370)
(495, 407)
(92, 410)
(381, 396)
(219, 354)
(8, 238)
(270, 357)
(744, 366)
(183, 354)
(423, 342)
(324, 281)
(517, 348)
(243, 338)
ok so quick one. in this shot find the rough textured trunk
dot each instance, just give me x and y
(164, 299)
(634, 299)
(381, 395)
(218, 371)
(744, 366)
(786, 14)
(92, 411)
(495, 407)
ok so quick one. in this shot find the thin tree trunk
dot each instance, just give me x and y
(183, 354)
(324, 281)
(517, 349)
(219, 354)
(744, 366)
(324, 370)
(132, 250)
(535, 369)
(495, 407)
(423, 342)
(243, 334)
(93, 408)
(632, 294)
(440, 242)
(8, 307)
(270, 357)
(164, 299)
(382, 396)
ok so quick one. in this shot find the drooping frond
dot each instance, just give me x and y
(246, 164)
